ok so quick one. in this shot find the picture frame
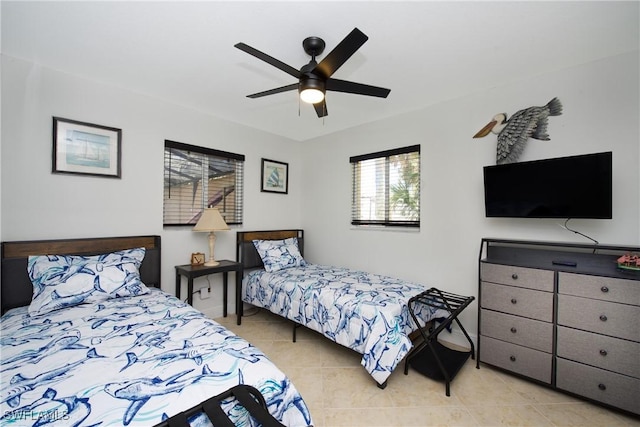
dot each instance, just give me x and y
(86, 149)
(274, 177)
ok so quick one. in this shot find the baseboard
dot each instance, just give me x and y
(457, 338)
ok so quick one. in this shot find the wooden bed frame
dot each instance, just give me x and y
(248, 256)
(246, 252)
(16, 288)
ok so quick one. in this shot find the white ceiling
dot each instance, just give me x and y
(426, 52)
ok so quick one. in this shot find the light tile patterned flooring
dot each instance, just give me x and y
(339, 392)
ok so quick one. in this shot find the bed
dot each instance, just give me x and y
(124, 352)
(365, 312)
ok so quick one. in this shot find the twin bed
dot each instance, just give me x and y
(88, 338)
(101, 344)
(365, 312)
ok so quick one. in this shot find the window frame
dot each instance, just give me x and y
(211, 154)
(355, 188)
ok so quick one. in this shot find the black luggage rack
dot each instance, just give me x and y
(248, 396)
(431, 358)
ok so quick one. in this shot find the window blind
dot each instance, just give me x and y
(386, 188)
(196, 178)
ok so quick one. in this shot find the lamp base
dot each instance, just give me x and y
(212, 241)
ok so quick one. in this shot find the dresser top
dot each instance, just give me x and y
(598, 260)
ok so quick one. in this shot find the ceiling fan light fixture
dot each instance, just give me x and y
(311, 96)
(311, 90)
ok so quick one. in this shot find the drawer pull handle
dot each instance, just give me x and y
(603, 318)
(514, 330)
(514, 301)
(604, 289)
(514, 276)
(603, 352)
(602, 387)
(512, 358)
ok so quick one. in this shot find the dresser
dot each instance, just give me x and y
(563, 315)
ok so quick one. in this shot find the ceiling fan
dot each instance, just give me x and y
(314, 78)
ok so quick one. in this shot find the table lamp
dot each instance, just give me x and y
(211, 221)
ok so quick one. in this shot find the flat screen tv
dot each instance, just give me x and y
(565, 187)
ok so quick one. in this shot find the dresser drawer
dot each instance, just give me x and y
(603, 288)
(612, 354)
(519, 301)
(530, 278)
(604, 386)
(525, 361)
(518, 330)
(603, 317)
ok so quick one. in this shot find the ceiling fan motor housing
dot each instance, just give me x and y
(311, 83)
(309, 80)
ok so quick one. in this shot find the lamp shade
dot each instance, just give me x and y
(211, 220)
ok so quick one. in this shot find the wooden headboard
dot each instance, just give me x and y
(246, 253)
(16, 286)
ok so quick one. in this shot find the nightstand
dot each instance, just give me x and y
(193, 271)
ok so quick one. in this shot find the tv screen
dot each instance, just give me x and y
(565, 187)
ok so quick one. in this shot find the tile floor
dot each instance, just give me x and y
(339, 392)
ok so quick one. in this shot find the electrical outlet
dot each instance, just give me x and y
(204, 293)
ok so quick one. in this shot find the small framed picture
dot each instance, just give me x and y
(275, 177)
(86, 148)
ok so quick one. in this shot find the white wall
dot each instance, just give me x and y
(601, 113)
(37, 204)
(0, 125)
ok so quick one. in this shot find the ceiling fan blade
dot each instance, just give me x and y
(343, 51)
(321, 108)
(337, 85)
(274, 91)
(269, 59)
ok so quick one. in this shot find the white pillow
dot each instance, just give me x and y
(61, 281)
(279, 254)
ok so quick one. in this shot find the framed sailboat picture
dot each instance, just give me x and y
(86, 148)
(275, 177)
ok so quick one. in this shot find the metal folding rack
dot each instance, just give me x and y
(429, 357)
(248, 396)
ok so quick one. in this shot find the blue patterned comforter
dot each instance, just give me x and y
(363, 311)
(130, 361)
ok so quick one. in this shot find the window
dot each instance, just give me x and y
(196, 178)
(386, 188)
